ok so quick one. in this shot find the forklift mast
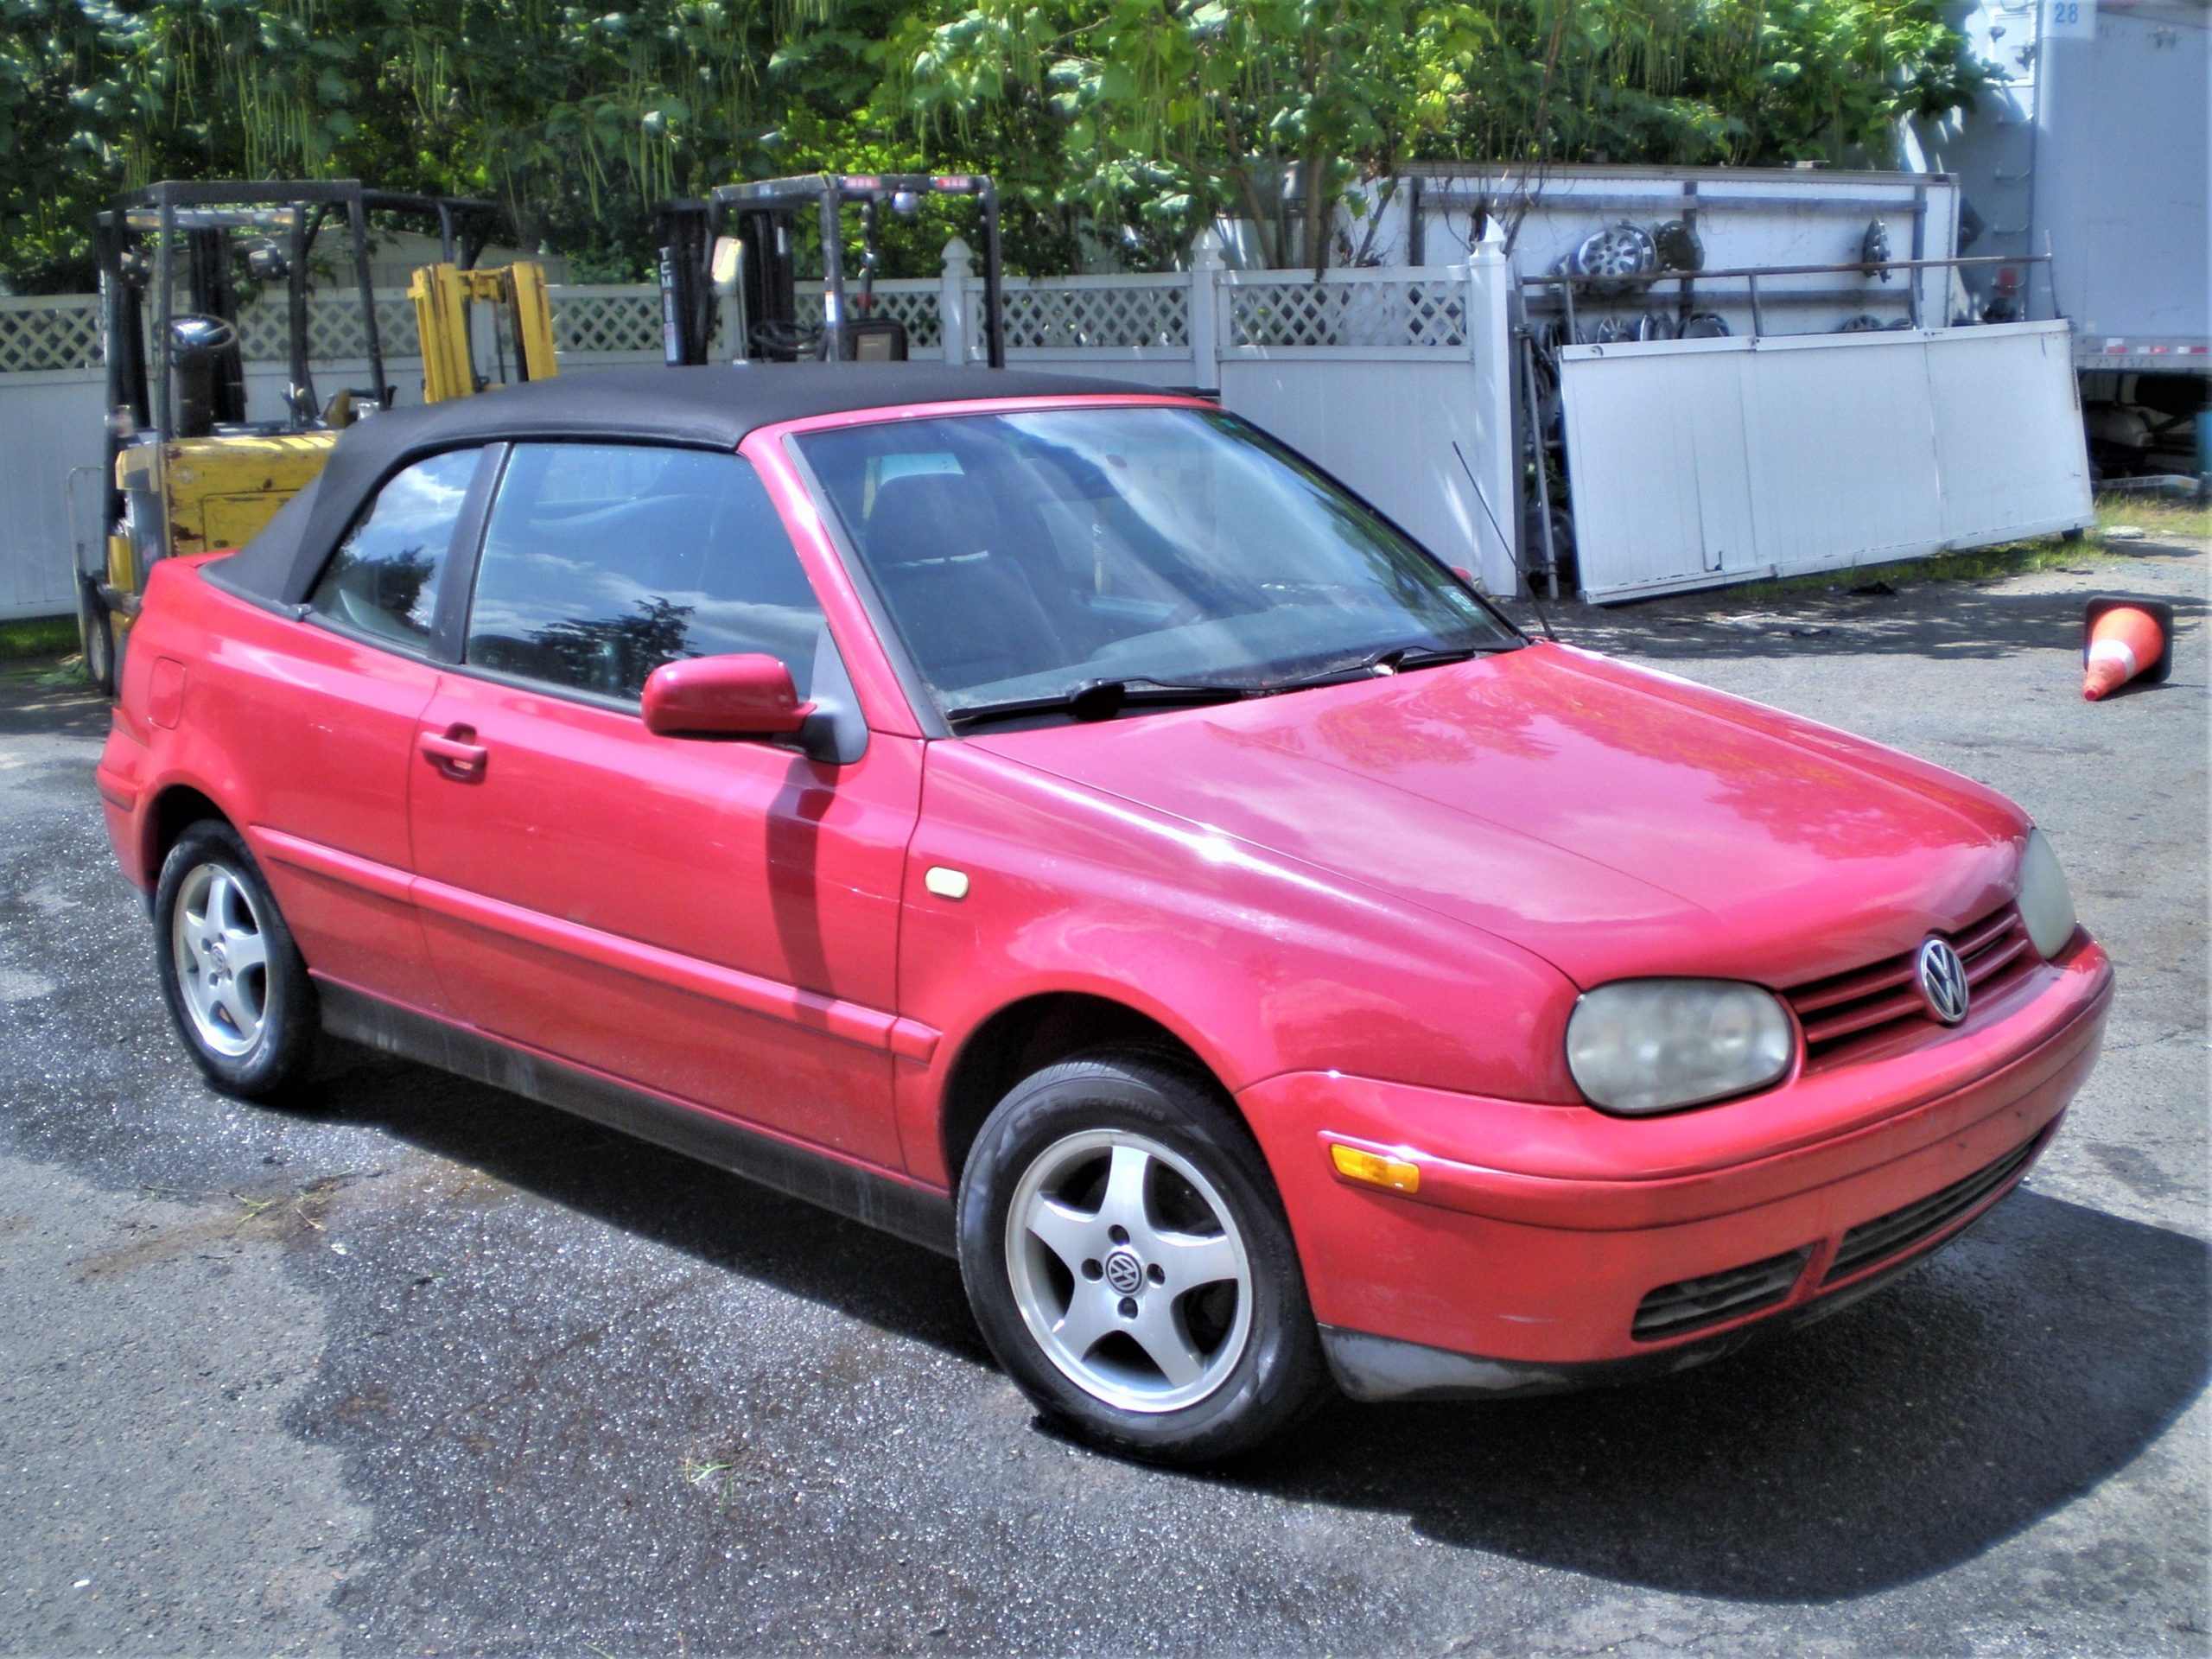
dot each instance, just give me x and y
(729, 265)
(447, 298)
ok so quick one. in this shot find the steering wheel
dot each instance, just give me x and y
(774, 338)
(206, 333)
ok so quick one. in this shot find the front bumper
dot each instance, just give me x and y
(1538, 1231)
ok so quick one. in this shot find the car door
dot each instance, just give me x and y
(714, 921)
(330, 703)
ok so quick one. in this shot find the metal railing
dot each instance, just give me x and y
(1566, 282)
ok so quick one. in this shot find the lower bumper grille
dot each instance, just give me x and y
(1675, 1310)
(1899, 1231)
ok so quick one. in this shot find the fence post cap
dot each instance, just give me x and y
(958, 256)
(1206, 249)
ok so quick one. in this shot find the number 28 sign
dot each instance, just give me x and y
(2070, 20)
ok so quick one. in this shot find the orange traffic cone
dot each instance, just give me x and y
(2122, 638)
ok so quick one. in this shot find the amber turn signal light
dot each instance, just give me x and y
(1373, 1169)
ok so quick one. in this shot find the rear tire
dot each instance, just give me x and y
(1128, 1261)
(96, 634)
(237, 989)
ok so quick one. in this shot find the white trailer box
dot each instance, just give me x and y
(2091, 146)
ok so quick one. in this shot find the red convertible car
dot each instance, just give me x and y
(1058, 824)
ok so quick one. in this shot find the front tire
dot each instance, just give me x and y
(1128, 1262)
(236, 987)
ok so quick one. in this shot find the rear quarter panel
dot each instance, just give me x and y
(284, 726)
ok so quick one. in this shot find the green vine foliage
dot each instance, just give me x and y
(1176, 111)
(1115, 127)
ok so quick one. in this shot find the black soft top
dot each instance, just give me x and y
(710, 408)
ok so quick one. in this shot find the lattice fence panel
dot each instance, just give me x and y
(1044, 316)
(920, 309)
(62, 331)
(336, 331)
(1357, 313)
(623, 320)
(262, 331)
(396, 327)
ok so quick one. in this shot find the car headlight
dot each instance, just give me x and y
(2045, 905)
(1650, 1044)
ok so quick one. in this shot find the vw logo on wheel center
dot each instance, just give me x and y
(1124, 1271)
(1943, 981)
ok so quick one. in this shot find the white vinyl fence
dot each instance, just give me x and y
(1397, 380)
(52, 395)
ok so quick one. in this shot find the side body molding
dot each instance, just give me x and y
(869, 1027)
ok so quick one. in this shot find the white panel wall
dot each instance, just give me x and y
(2009, 447)
(1839, 448)
(1696, 462)
(50, 429)
(49, 426)
(1398, 379)
(1412, 437)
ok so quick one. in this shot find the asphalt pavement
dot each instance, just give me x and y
(433, 1370)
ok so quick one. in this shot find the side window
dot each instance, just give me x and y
(602, 562)
(382, 580)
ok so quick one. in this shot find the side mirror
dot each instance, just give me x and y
(748, 695)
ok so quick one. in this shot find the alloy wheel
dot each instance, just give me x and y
(222, 959)
(1128, 1270)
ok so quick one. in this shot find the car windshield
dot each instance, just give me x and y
(1036, 558)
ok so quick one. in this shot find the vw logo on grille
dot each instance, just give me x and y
(1124, 1271)
(1943, 981)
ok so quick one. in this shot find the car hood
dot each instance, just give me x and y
(1614, 820)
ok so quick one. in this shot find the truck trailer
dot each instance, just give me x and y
(2090, 146)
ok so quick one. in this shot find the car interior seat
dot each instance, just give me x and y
(968, 609)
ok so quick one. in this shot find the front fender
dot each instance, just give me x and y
(1262, 965)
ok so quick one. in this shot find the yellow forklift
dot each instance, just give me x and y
(206, 436)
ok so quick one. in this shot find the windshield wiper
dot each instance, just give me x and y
(1391, 659)
(1102, 700)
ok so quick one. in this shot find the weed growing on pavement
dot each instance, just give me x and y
(2160, 520)
(2159, 517)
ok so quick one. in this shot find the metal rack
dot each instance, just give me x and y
(1750, 275)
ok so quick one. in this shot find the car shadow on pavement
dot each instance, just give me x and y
(2033, 1359)
(1966, 623)
(2041, 1353)
(724, 1220)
